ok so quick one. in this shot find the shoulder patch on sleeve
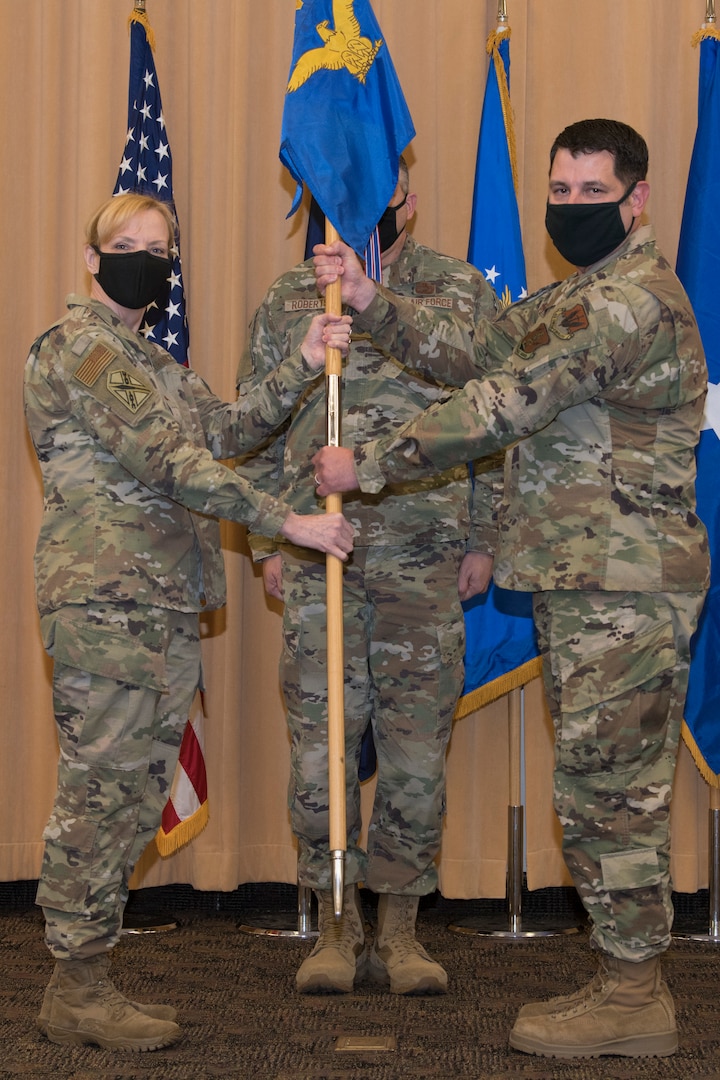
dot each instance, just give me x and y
(565, 324)
(128, 389)
(94, 364)
(535, 339)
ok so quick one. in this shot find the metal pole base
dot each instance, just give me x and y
(276, 923)
(137, 923)
(512, 926)
(502, 926)
(707, 938)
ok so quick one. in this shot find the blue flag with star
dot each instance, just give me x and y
(345, 120)
(146, 167)
(501, 649)
(698, 267)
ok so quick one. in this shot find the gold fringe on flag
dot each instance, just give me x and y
(139, 15)
(711, 778)
(703, 33)
(491, 47)
(183, 833)
(497, 688)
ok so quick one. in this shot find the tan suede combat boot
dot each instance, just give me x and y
(397, 957)
(626, 1010)
(85, 1007)
(159, 1012)
(340, 953)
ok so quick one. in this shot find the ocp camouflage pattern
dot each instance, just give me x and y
(597, 386)
(127, 441)
(379, 394)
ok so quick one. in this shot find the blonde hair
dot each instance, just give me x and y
(109, 218)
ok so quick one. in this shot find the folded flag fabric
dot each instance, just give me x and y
(146, 167)
(501, 651)
(345, 120)
(698, 267)
(186, 812)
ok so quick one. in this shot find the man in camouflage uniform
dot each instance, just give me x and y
(414, 551)
(127, 557)
(597, 387)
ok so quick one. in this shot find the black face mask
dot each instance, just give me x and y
(584, 233)
(387, 226)
(133, 279)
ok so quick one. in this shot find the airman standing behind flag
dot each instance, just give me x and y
(597, 384)
(417, 550)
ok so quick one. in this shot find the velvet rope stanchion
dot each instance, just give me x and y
(512, 925)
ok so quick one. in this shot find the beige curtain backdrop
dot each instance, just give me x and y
(222, 67)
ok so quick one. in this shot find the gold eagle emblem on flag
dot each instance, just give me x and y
(343, 47)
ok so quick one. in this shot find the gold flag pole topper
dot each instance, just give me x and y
(334, 603)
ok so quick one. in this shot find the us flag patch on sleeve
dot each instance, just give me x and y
(94, 364)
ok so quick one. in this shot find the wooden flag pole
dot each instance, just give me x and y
(335, 649)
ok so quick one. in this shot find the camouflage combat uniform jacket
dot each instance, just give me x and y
(379, 393)
(127, 441)
(599, 382)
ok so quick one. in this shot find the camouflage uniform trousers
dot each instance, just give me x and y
(616, 671)
(404, 643)
(123, 683)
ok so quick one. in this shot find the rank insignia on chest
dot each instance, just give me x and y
(128, 389)
(565, 324)
(533, 341)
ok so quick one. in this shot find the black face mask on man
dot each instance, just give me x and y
(584, 233)
(387, 226)
(133, 279)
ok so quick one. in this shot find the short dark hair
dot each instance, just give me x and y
(590, 136)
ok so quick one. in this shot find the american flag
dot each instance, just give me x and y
(146, 167)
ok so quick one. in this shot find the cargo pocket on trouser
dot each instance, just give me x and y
(105, 689)
(617, 733)
(451, 639)
(613, 698)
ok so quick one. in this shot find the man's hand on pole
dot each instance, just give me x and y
(337, 261)
(334, 470)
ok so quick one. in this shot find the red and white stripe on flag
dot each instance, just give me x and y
(186, 811)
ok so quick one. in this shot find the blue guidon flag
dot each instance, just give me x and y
(345, 121)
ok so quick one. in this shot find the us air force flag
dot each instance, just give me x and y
(698, 267)
(501, 651)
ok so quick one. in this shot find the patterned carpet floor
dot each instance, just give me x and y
(242, 1018)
